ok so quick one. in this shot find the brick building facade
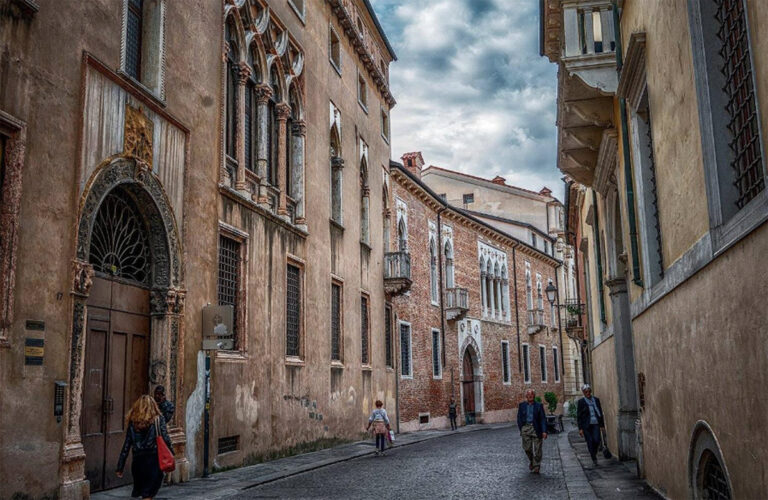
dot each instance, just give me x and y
(475, 321)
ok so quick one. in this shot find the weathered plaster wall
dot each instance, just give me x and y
(605, 387)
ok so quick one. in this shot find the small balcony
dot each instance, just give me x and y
(397, 272)
(456, 303)
(574, 326)
(535, 321)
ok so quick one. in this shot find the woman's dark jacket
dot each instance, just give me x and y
(583, 415)
(142, 442)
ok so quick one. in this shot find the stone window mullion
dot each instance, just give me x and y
(299, 131)
(283, 112)
(263, 95)
(243, 74)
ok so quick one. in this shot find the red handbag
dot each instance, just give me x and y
(164, 456)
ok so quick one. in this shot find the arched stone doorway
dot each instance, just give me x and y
(127, 319)
(471, 386)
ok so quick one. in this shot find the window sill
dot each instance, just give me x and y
(367, 368)
(337, 364)
(334, 66)
(366, 245)
(336, 224)
(231, 356)
(238, 197)
(294, 361)
(390, 369)
(406, 377)
(507, 383)
(151, 94)
(437, 377)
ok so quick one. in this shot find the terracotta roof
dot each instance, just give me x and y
(490, 181)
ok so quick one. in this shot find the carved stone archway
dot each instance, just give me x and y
(167, 307)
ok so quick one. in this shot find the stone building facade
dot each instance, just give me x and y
(147, 173)
(659, 124)
(475, 324)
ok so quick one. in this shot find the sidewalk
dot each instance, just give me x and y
(611, 479)
(228, 483)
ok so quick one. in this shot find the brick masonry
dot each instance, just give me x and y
(425, 393)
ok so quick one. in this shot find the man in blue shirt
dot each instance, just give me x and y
(590, 420)
(532, 422)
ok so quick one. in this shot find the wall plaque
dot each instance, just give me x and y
(34, 350)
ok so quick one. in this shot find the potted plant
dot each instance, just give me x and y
(551, 399)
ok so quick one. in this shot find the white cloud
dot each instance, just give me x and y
(473, 92)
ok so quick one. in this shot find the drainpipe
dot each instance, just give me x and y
(517, 311)
(441, 297)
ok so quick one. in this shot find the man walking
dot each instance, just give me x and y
(590, 420)
(532, 422)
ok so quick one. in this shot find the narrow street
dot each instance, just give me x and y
(483, 464)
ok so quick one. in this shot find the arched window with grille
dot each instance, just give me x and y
(448, 259)
(402, 236)
(144, 38)
(364, 203)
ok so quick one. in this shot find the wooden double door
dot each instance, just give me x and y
(468, 383)
(116, 374)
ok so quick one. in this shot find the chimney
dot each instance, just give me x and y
(499, 180)
(545, 191)
(413, 162)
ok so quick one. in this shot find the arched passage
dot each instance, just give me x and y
(127, 320)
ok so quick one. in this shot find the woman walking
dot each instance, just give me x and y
(144, 423)
(380, 423)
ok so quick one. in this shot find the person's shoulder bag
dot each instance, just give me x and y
(164, 456)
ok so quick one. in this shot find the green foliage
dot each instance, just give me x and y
(537, 399)
(572, 409)
(551, 399)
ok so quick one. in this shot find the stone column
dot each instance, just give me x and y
(263, 95)
(483, 294)
(283, 112)
(297, 169)
(492, 298)
(625, 367)
(244, 72)
(499, 300)
(73, 484)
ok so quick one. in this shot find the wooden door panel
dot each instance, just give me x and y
(92, 420)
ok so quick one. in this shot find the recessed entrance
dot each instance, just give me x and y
(468, 382)
(117, 349)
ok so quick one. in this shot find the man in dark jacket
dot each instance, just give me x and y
(590, 419)
(166, 407)
(532, 422)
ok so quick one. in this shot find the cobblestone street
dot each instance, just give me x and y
(483, 464)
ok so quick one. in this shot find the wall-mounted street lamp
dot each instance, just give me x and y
(551, 293)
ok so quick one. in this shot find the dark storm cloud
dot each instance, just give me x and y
(473, 93)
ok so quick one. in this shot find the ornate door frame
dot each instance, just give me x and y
(167, 307)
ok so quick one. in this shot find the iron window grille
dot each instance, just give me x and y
(741, 105)
(133, 38)
(335, 322)
(557, 364)
(405, 350)
(119, 243)
(468, 198)
(714, 485)
(229, 278)
(543, 356)
(364, 330)
(228, 444)
(436, 353)
(505, 361)
(526, 364)
(388, 335)
(293, 311)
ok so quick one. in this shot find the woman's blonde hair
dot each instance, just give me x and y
(143, 412)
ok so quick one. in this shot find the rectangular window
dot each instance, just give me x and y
(293, 311)
(336, 321)
(436, 367)
(543, 356)
(229, 285)
(505, 376)
(133, 38)
(468, 198)
(556, 362)
(388, 335)
(526, 364)
(364, 330)
(334, 49)
(228, 444)
(384, 125)
(546, 246)
(533, 240)
(362, 92)
(406, 370)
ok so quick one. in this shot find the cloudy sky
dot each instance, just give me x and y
(472, 92)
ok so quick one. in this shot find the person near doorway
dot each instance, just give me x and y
(166, 407)
(590, 419)
(452, 414)
(144, 423)
(380, 423)
(532, 422)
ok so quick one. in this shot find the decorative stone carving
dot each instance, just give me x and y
(282, 111)
(138, 135)
(243, 72)
(82, 278)
(263, 93)
(299, 128)
(337, 163)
